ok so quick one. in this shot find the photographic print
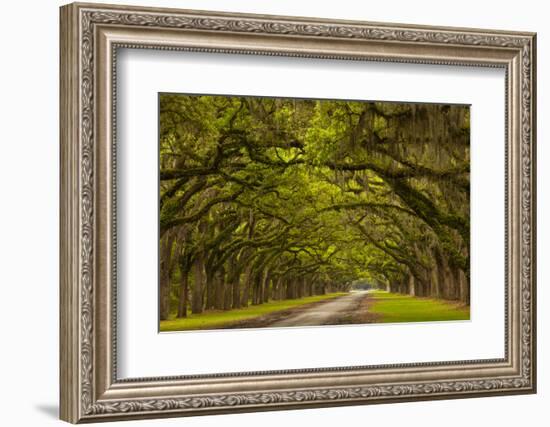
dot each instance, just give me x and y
(280, 212)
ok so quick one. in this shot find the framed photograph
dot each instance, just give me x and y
(266, 212)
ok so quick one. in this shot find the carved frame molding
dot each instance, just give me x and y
(90, 37)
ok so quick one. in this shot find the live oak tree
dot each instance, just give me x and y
(264, 199)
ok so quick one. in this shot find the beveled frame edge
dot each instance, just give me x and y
(88, 390)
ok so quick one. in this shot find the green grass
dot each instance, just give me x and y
(216, 319)
(394, 308)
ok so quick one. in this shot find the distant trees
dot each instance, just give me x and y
(265, 199)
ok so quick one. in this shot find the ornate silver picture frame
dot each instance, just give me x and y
(91, 35)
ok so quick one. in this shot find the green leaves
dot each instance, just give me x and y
(343, 189)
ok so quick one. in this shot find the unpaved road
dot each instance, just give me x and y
(324, 313)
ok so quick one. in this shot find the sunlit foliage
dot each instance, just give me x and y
(269, 198)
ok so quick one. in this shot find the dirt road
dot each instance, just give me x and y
(323, 314)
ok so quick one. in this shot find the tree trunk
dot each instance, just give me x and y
(210, 290)
(454, 291)
(165, 276)
(411, 286)
(184, 293)
(288, 289)
(197, 303)
(404, 285)
(450, 285)
(266, 285)
(236, 291)
(256, 288)
(464, 287)
(298, 288)
(442, 275)
(228, 292)
(434, 278)
(232, 293)
(275, 288)
(282, 289)
(219, 286)
(261, 288)
(246, 287)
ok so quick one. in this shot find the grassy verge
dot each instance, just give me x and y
(217, 319)
(393, 308)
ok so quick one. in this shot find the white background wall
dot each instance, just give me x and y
(29, 170)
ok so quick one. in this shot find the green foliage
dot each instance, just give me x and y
(325, 191)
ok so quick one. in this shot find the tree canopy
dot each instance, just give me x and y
(271, 198)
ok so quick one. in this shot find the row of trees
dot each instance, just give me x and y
(266, 199)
